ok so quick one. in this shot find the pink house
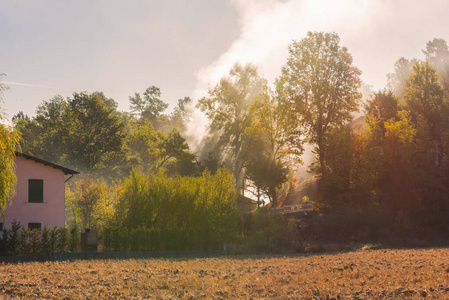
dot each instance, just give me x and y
(40, 193)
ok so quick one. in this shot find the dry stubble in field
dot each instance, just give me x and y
(356, 275)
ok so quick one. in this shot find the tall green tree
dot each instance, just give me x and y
(149, 106)
(402, 70)
(180, 114)
(95, 136)
(382, 106)
(424, 97)
(357, 176)
(400, 138)
(437, 54)
(150, 150)
(273, 145)
(29, 131)
(174, 147)
(44, 134)
(320, 84)
(52, 130)
(91, 203)
(84, 132)
(143, 145)
(227, 107)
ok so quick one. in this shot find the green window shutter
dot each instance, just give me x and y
(35, 191)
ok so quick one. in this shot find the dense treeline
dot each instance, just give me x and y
(391, 177)
(87, 133)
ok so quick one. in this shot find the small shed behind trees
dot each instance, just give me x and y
(89, 240)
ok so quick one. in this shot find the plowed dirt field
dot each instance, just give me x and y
(353, 275)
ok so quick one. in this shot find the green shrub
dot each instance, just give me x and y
(124, 239)
(266, 232)
(63, 239)
(74, 238)
(53, 240)
(14, 238)
(180, 213)
(46, 242)
(107, 239)
(35, 243)
(4, 241)
(135, 239)
(153, 239)
(114, 238)
(24, 241)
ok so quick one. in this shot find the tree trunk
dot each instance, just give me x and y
(321, 155)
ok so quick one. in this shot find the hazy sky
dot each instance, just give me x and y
(185, 46)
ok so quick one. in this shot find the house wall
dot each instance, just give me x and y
(51, 212)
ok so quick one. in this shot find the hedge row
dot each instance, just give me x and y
(117, 238)
(23, 241)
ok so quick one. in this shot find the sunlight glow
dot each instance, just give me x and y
(268, 27)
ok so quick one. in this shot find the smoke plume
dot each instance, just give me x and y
(267, 28)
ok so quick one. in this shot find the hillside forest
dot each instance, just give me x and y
(385, 179)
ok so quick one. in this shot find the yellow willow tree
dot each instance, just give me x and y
(9, 139)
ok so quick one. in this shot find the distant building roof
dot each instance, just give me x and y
(47, 163)
(357, 124)
(246, 204)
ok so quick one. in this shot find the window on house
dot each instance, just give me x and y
(34, 226)
(1, 226)
(35, 191)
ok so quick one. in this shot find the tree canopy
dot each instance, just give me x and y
(273, 145)
(320, 84)
(227, 107)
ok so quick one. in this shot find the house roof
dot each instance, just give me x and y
(246, 200)
(66, 171)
